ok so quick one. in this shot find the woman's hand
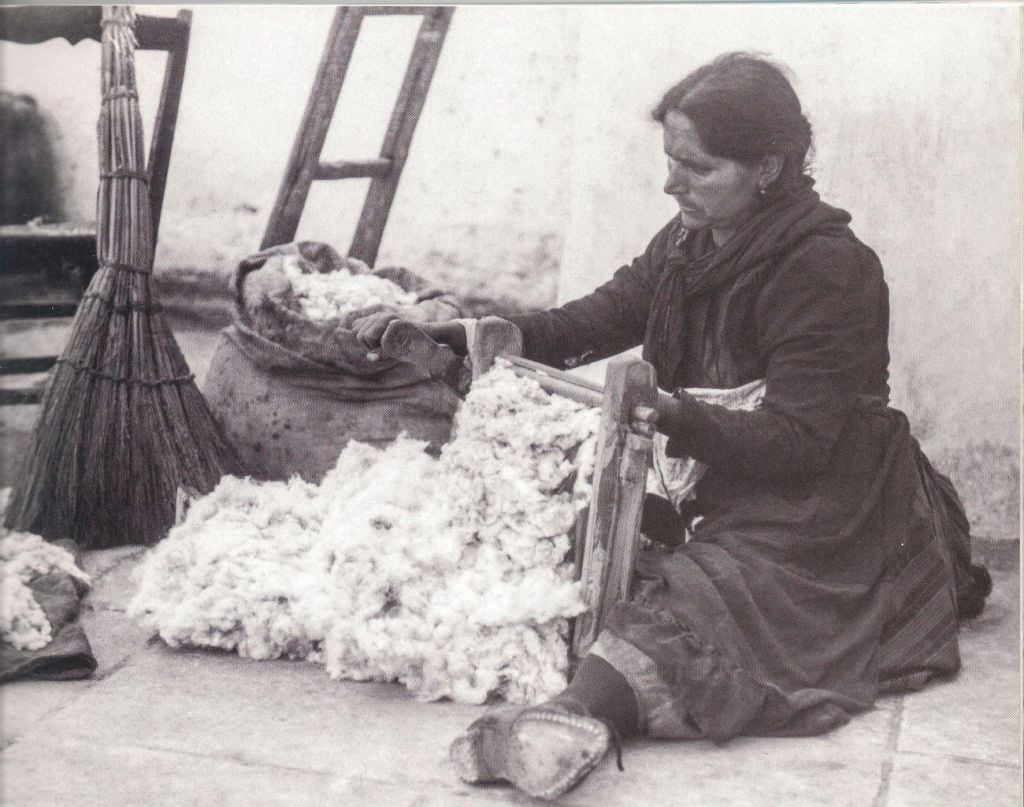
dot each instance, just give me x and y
(370, 328)
(369, 331)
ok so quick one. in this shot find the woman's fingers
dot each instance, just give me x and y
(368, 330)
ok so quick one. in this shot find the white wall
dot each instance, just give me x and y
(535, 154)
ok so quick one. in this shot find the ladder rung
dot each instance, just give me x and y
(16, 397)
(349, 169)
(37, 310)
(26, 366)
(369, 11)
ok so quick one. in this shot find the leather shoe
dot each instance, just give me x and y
(543, 750)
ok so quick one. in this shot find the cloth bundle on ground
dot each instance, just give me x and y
(290, 383)
(41, 587)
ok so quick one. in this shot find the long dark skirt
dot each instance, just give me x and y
(792, 608)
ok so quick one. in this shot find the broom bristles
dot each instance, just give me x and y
(122, 424)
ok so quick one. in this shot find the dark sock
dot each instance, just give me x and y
(604, 693)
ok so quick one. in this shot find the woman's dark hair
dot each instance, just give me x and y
(744, 108)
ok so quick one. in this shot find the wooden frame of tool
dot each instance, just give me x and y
(628, 403)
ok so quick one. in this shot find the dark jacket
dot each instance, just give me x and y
(825, 533)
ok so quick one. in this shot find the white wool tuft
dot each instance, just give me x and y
(24, 557)
(446, 574)
(330, 295)
(234, 574)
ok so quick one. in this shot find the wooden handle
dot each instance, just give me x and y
(493, 337)
(586, 392)
(551, 372)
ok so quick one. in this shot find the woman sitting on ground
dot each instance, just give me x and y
(830, 562)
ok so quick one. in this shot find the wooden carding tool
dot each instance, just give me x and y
(624, 451)
(492, 337)
(629, 412)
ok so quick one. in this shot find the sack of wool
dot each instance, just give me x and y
(290, 383)
(447, 574)
(24, 557)
(304, 297)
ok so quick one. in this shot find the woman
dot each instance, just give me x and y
(830, 562)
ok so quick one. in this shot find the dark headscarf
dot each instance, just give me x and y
(694, 266)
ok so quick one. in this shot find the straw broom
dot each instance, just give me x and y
(122, 423)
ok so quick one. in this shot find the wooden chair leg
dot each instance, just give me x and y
(173, 36)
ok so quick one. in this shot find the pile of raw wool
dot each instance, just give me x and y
(24, 557)
(447, 574)
(333, 295)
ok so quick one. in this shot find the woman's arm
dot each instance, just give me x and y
(822, 323)
(610, 320)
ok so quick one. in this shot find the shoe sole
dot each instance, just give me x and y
(591, 737)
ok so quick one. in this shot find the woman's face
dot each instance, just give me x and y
(711, 191)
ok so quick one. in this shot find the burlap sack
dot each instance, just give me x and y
(291, 391)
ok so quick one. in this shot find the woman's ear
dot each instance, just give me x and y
(771, 167)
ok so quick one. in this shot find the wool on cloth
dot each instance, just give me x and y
(23, 557)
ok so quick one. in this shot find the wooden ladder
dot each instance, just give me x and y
(304, 164)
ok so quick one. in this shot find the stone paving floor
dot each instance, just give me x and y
(156, 726)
